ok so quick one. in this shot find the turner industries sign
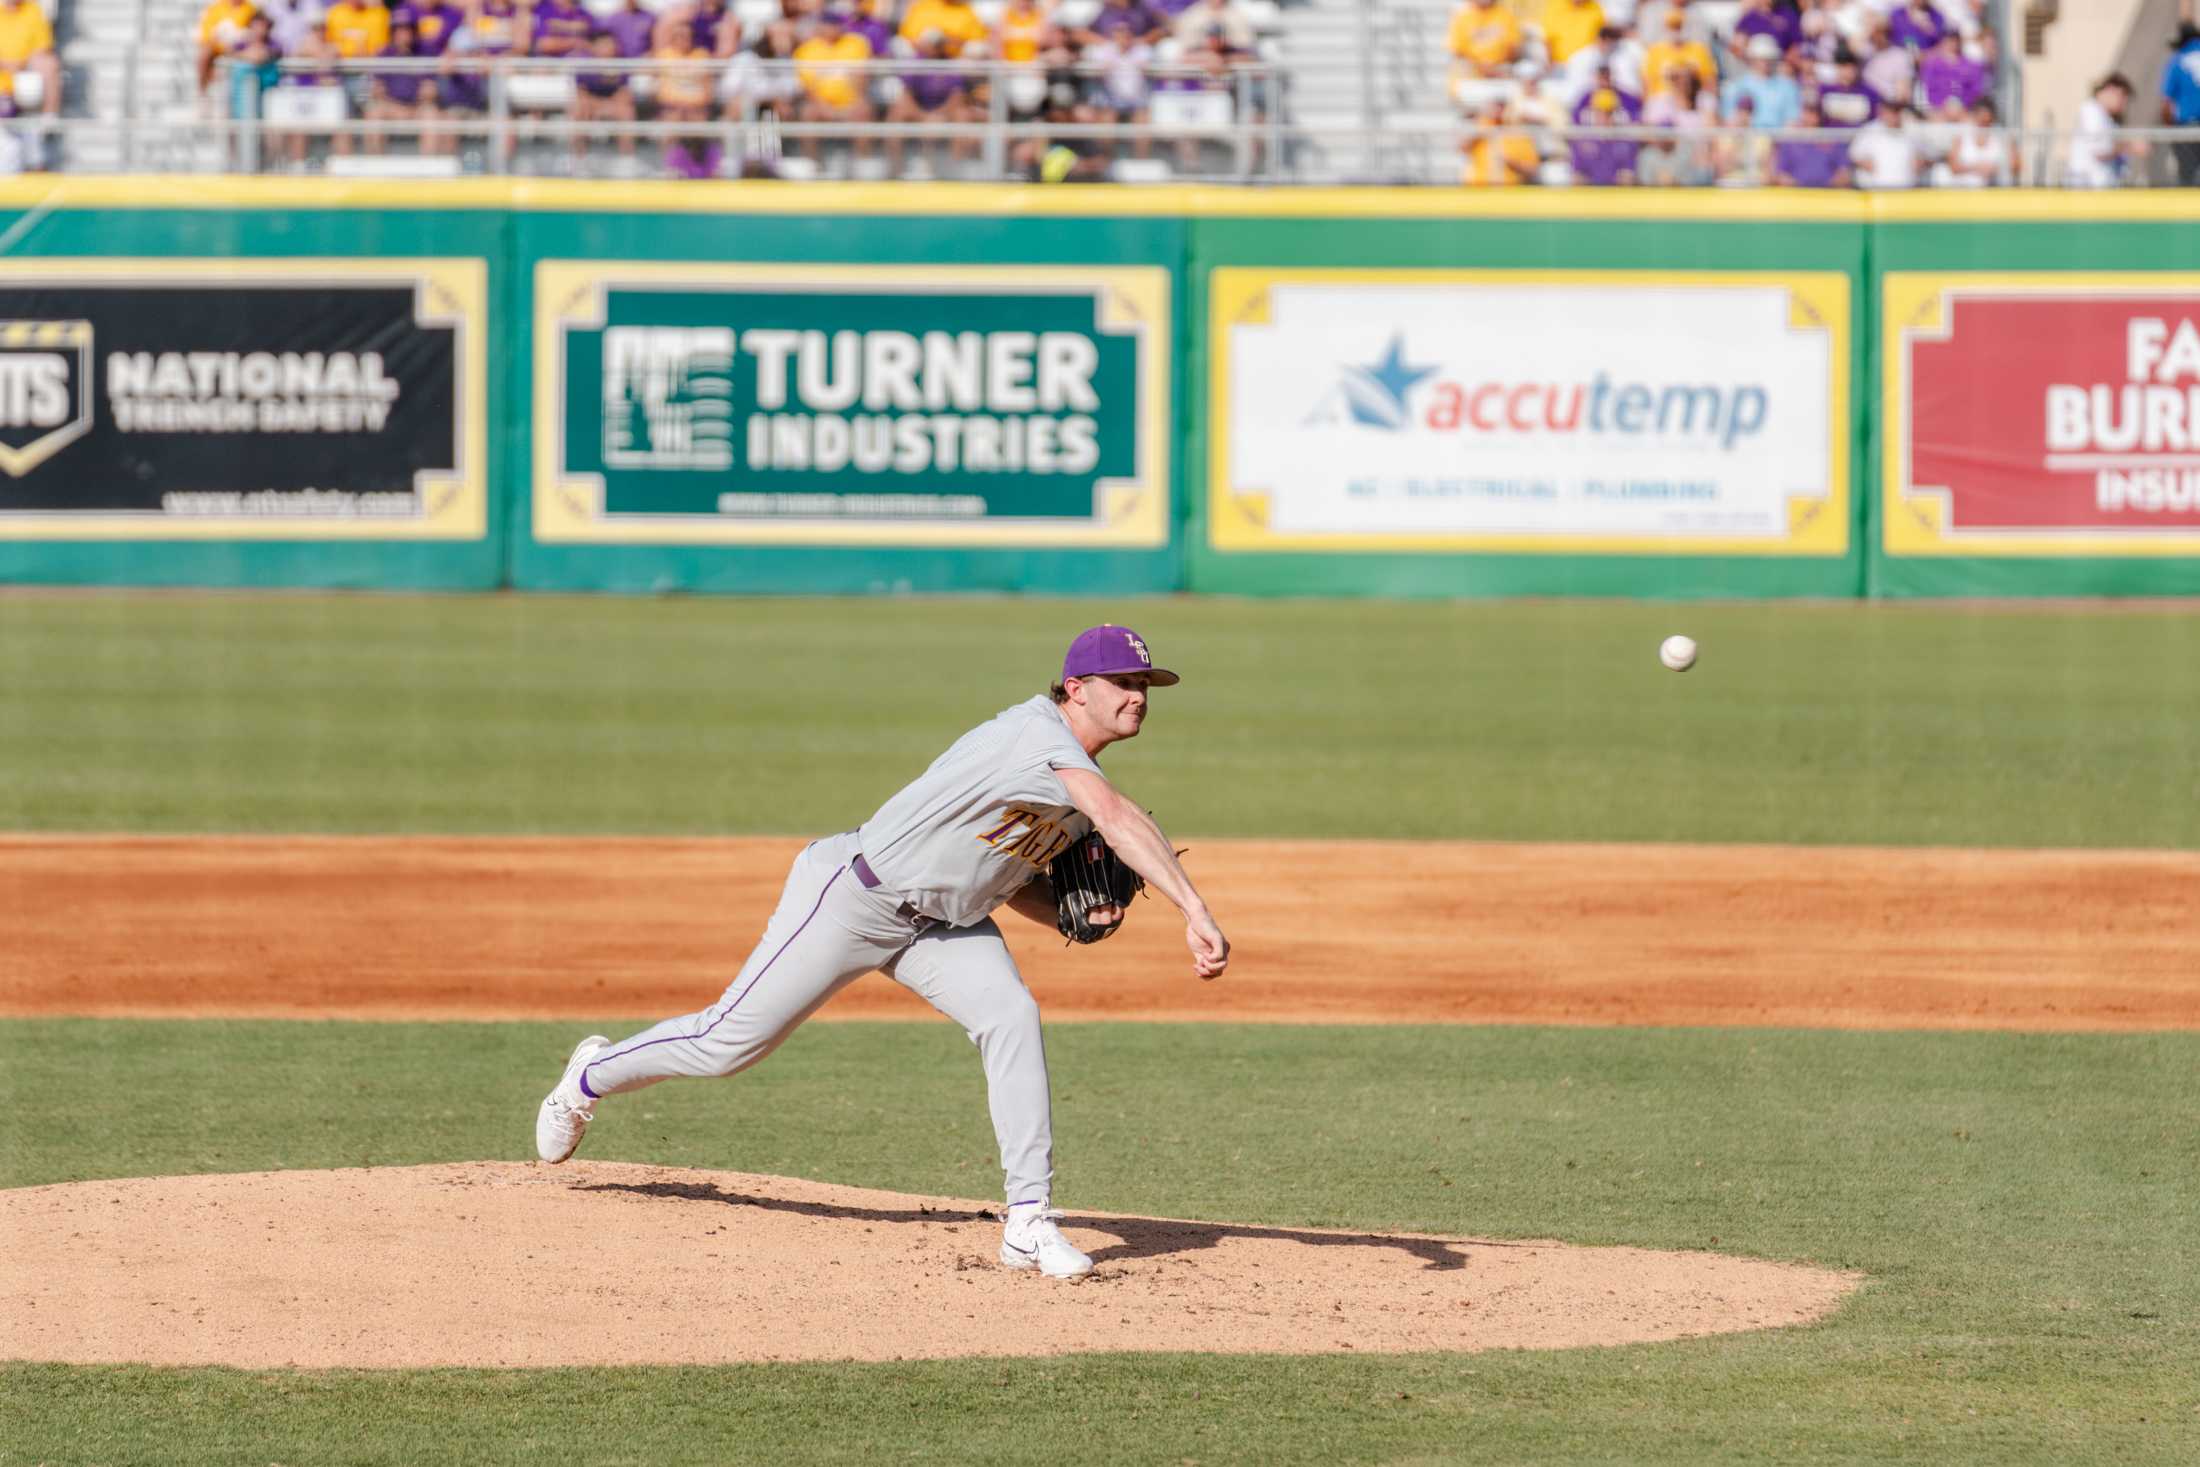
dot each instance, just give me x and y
(758, 404)
(2041, 414)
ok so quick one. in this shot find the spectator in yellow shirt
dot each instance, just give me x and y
(833, 93)
(1672, 51)
(1498, 156)
(953, 19)
(1569, 25)
(1485, 37)
(1023, 26)
(685, 94)
(26, 44)
(357, 30)
(222, 28)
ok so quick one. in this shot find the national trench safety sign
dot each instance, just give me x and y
(784, 404)
(175, 399)
(2042, 414)
(1609, 412)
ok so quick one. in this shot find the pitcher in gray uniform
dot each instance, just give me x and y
(911, 894)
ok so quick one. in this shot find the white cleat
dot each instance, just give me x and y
(1030, 1239)
(567, 1109)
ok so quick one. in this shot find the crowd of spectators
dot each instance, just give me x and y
(30, 79)
(698, 62)
(1878, 94)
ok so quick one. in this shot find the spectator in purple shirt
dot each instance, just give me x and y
(714, 27)
(631, 29)
(398, 96)
(493, 28)
(1775, 18)
(434, 22)
(1142, 21)
(1607, 162)
(604, 96)
(931, 96)
(1810, 162)
(434, 25)
(1946, 72)
(1918, 25)
(562, 28)
(1846, 101)
(559, 29)
(874, 21)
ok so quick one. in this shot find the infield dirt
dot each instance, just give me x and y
(1330, 932)
(420, 1266)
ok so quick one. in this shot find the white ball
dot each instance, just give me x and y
(1678, 653)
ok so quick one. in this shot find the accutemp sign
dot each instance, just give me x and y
(1590, 411)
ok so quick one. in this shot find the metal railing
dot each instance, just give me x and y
(520, 121)
(515, 114)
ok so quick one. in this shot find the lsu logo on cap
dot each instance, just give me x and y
(1139, 647)
(45, 390)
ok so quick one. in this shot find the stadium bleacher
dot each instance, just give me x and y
(1315, 90)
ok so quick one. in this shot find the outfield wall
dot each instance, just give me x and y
(781, 388)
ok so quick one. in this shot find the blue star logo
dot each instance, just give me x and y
(1392, 377)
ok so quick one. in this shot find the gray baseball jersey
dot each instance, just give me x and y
(907, 895)
(971, 831)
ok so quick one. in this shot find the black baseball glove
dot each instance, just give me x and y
(1087, 875)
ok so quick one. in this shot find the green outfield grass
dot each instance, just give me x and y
(2025, 1207)
(1805, 723)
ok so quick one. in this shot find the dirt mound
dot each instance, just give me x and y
(595, 1263)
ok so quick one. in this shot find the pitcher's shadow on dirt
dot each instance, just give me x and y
(1137, 1237)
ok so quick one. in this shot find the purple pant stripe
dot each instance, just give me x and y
(744, 993)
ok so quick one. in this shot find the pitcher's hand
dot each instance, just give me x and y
(1210, 949)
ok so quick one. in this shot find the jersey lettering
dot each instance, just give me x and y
(1015, 816)
(1041, 841)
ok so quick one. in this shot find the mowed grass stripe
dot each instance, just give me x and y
(2024, 1206)
(1950, 725)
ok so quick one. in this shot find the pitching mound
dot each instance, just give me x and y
(501, 1264)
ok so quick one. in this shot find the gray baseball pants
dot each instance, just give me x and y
(829, 930)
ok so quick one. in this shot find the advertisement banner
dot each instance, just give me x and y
(698, 404)
(2048, 414)
(1566, 412)
(264, 399)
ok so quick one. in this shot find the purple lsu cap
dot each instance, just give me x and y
(1106, 650)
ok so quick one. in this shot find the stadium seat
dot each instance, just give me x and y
(1191, 111)
(304, 107)
(1140, 170)
(1473, 93)
(540, 91)
(393, 165)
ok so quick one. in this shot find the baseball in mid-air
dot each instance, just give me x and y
(1678, 653)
